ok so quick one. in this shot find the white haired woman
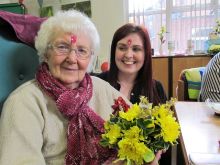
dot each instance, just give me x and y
(57, 118)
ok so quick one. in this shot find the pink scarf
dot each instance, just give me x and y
(84, 127)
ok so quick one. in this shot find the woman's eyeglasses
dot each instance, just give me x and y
(65, 50)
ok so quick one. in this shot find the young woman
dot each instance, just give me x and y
(131, 69)
(131, 65)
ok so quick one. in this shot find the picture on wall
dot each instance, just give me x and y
(46, 11)
(84, 7)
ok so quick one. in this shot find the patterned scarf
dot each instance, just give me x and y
(84, 126)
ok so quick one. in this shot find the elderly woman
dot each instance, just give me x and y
(57, 118)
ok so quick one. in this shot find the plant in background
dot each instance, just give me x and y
(137, 132)
(217, 27)
(214, 49)
(161, 34)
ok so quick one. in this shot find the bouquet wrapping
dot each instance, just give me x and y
(137, 132)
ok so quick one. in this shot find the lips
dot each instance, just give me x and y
(128, 62)
(70, 69)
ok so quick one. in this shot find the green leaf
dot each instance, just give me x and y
(149, 156)
(129, 162)
(114, 119)
(104, 142)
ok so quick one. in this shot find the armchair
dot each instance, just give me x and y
(189, 84)
(18, 63)
(18, 58)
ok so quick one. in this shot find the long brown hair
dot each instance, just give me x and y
(144, 77)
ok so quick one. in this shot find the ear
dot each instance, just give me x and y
(46, 57)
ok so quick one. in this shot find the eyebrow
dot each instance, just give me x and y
(122, 44)
(62, 42)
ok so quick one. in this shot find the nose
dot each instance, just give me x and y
(129, 53)
(73, 50)
(72, 57)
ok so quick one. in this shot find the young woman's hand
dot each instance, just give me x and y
(157, 158)
(154, 162)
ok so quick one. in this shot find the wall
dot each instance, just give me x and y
(107, 15)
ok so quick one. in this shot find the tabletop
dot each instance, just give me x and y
(200, 128)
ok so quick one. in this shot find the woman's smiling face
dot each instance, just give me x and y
(129, 54)
(68, 69)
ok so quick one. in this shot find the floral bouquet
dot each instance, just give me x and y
(139, 131)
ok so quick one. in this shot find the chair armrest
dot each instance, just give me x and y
(180, 92)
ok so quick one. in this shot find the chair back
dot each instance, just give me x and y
(18, 63)
(189, 84)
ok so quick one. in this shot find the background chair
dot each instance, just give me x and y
(189, 84)
(18, 62)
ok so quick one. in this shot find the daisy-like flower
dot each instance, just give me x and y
(170, 129)
(133, 133)
(113, 134)
(161, 111)
(131, 114)
(134, 151)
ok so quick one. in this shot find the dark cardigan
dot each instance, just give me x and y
(136, 92)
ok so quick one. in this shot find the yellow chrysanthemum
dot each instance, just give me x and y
(113, 134)
(131, 114)
(170, 129)
(132, 149)
(106, 125)
(133, 133)
(160, 112)
(142, 126)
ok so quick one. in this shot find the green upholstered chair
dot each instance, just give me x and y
(189, 84)
(18, 63)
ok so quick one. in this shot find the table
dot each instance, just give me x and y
(200, 128)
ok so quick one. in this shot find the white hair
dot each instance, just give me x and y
(70, 21)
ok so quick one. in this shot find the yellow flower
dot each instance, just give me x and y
(170, 129)
(131, 149)
(141, 131)
(131, 114)
(133, 133)
(161, 111)
(113, 134)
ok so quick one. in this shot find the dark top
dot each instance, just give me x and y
(136, 92)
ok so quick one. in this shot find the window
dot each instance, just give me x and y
(183, 19)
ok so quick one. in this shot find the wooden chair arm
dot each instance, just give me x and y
(180, 90)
